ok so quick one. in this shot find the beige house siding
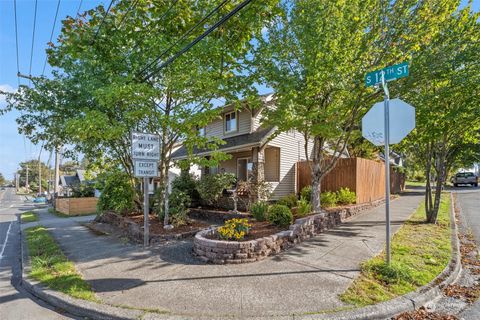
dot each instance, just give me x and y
(291, 146)
(272, 164)
(215, 129)
(256, 121)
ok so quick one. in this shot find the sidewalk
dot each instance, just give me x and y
(305, 279)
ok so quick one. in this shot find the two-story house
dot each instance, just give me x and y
(249, 144)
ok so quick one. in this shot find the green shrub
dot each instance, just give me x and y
(328, 199)
(187, 183)
(345, 196)
(117, 192)
(83, 190)
(289, 201)
(280, 215)
(211, 186)
(303, 207)
(306, 193)
(259, 210)
(178, 203)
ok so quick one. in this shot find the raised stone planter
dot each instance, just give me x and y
(233, 252)
(134, 232)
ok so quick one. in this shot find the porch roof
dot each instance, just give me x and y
(253, 139)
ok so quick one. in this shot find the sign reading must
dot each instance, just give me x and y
(145, 146)
(391, 73)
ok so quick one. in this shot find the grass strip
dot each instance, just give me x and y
(28, 216)
(50, 266)
(420, 252)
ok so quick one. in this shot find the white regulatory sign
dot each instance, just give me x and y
(146, 169)
(145, 146)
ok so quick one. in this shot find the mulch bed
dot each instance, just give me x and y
(423, 314)
(156, 226)
(258, 230)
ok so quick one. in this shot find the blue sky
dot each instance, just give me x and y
(13, 148)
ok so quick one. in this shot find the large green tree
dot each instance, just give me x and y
(315, 56)
(110, 64)
(443, 87)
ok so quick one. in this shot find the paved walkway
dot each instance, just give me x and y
(302, 280)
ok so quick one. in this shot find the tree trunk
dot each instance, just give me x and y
(440, 167)
(316, 175)
(428, 186)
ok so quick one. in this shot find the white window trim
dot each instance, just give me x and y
(225, 122)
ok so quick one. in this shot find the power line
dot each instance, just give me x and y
(103, 20)
(79, 6)
(16, 40)
(51, 35)
(186, 34)
(199, 38)
(133, 5)
(150, 27)
(33, 38)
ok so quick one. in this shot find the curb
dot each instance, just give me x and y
(384, 310)
(414, 300)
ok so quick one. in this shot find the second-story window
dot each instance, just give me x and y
(231, 122)
(201, 131)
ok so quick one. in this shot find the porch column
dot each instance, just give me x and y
(258, 159)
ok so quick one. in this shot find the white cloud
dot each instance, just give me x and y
(5, 88)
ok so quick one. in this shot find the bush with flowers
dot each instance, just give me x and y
(234, 229)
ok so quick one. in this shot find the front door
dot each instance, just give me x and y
(244, 169)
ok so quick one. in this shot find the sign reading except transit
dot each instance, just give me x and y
(391, 73)
(145, 168)
(145, 146)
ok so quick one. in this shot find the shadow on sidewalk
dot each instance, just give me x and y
(116, 284)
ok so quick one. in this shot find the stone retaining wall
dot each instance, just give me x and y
(234, 252)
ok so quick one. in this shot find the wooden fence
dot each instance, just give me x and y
(76, 206)
(365, 177)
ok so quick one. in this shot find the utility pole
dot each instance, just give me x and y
(26, 180)
(57, 174)
(40, 172)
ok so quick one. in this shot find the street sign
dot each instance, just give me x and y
(391, 73)
(145, 146)
(145, 155)
(145, 168)
(401, 118)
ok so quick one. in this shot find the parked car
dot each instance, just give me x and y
(465, 178)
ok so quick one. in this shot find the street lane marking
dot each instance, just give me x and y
(5, 242)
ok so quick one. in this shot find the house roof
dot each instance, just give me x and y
(69, 180)
(256, 138)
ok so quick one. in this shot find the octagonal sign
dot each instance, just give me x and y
(402, 121)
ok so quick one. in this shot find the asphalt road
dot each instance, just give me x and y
(15, 303)
(469, 201)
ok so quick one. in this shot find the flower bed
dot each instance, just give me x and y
(208, 248)
(132, 227)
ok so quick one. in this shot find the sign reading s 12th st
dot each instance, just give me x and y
(145, 146)
(390, 73)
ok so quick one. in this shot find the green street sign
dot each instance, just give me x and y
(391, 73)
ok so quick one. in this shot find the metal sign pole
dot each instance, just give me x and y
(146, 226)
(387, 165)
